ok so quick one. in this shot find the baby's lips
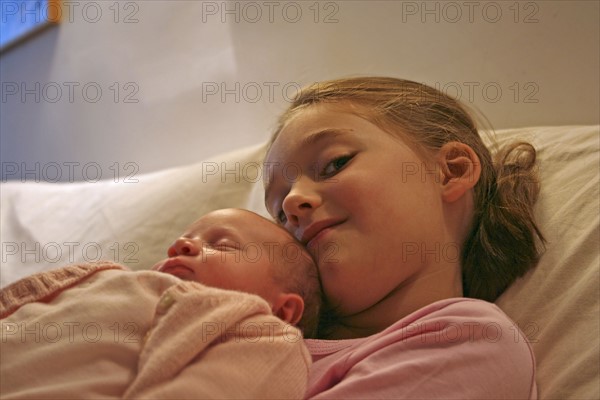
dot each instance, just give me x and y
(157, 266)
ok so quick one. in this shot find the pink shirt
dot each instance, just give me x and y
(456, 348)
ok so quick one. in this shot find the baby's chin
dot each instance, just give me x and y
(181, 273)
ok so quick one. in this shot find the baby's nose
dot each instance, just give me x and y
(183, 247)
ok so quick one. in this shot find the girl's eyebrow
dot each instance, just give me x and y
(311, 140)
(318, 136)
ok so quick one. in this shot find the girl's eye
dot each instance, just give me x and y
(335, 165)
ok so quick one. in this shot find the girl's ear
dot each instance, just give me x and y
(460, 170)
(288, 307)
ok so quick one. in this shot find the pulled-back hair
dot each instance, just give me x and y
(502, 242)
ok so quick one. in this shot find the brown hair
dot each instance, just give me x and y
(297, 273)
(502, 243)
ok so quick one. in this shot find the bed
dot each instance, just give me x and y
(132, 221)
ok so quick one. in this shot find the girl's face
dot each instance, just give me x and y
(368, 208)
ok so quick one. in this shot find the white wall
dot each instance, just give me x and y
(543, 56)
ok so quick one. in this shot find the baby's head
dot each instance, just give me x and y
(239, 250)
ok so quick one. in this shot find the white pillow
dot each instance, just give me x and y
(556, 304)
(48, 225)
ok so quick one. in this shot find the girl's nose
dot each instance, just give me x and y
(183, 247)
(299, 203)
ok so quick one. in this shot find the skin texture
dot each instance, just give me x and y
(389, 220)
(234, 249)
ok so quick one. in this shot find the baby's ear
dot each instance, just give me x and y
(460, 169)
(289, 307)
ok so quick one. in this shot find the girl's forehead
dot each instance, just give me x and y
(317, 126)
(366, 124)
(305, 127)
(323, 113)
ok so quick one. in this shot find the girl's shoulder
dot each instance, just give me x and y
(451, 320)
(450, 312)
(449, 342)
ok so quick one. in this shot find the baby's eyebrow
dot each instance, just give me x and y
(212, 233)
(220, 231)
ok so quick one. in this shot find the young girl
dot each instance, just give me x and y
(392, 178)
